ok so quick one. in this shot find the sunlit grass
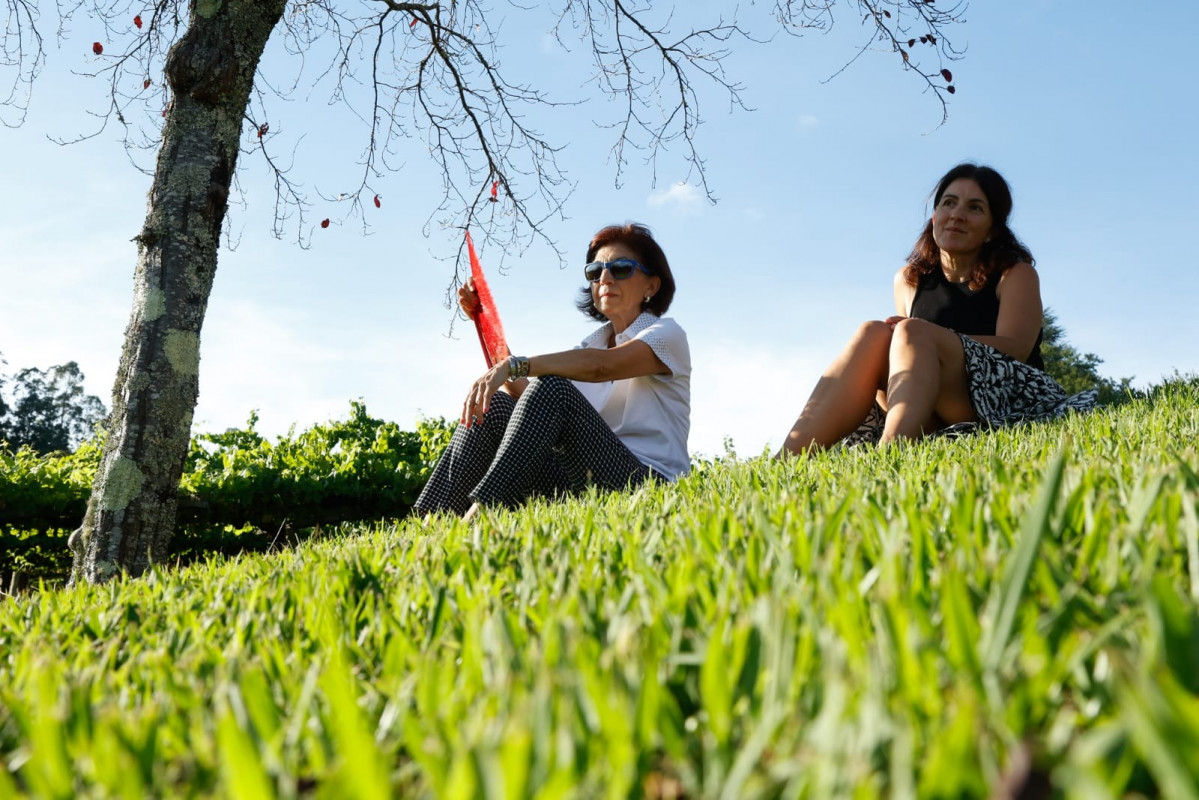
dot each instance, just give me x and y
(899, 623)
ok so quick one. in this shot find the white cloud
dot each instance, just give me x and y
(748, 394)
(808, 121)
(684, 198)
(302, 368)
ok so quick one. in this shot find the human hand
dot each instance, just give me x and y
(468, 298)
(479, 397)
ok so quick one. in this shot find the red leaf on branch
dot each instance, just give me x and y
(911, 42)
(412, 24)
(137, 21)
(904, 53)
(947, 75)
(97, 48)
(495, 191)
(886, 13)
(931, 40)
(950, 89)
(378, 203)
(146, 83)
(262, 129)
(325, 222)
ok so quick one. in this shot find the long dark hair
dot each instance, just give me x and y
(637, 238)
(1000, 252)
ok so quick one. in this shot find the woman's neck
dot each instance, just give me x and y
(620, 324)
(958, 267)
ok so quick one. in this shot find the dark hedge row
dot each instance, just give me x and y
(239, 490)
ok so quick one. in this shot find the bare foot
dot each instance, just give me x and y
(471, 513)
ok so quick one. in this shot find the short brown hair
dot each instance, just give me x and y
(637, 238)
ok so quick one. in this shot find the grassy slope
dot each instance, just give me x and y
(906, 623)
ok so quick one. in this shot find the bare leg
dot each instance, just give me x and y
(927, 383)
(844, 394)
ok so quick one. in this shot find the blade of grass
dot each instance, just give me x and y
(1020, 564)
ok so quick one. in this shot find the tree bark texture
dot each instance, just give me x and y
(210, 71)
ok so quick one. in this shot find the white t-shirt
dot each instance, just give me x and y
(650, 414)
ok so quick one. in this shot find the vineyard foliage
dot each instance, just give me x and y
(1014, 614)
(240, 491)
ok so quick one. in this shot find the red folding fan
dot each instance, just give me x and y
(487, 318)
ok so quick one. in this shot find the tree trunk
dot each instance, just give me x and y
(210, 71)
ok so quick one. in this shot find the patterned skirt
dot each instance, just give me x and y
(1003, 391)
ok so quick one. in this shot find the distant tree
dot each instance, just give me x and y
(182, 78)
(49, 409)
(1077, 371)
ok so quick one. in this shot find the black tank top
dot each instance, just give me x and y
(957, 307)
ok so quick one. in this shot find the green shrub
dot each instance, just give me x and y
(239, 492)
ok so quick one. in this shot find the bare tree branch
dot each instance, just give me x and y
(914, 24)
(430, 71)
(22, 55)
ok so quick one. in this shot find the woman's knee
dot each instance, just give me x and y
(874, 330)
(870, 337)
(546, 391)
(555, 383)
(918, 336)
(499, 412)
(503, 402)
(545, 386)
(914, 333)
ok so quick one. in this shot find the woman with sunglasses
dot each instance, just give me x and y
(613, 412)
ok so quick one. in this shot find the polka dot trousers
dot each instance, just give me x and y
(549, 442)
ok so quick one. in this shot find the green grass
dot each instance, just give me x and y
(901, 623)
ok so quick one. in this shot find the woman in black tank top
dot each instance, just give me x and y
(964, 344)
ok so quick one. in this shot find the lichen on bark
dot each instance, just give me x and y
(182, 349)
(207, 8)
(155, 304)
(121, 485)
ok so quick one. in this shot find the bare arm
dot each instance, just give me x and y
(632, 359)
(1020, 313)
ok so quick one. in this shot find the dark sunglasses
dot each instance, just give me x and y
(620, 268)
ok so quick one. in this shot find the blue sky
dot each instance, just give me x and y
(1089, 111)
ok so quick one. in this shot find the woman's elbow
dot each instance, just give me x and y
(1013, 348)
(596, 370)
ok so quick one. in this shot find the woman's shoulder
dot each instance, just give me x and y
(648, 321)
(1020, 280)
(906, 277)
(1020, 267)
(666, 338)
(1020, 272)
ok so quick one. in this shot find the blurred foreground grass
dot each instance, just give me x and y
(950, 619)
